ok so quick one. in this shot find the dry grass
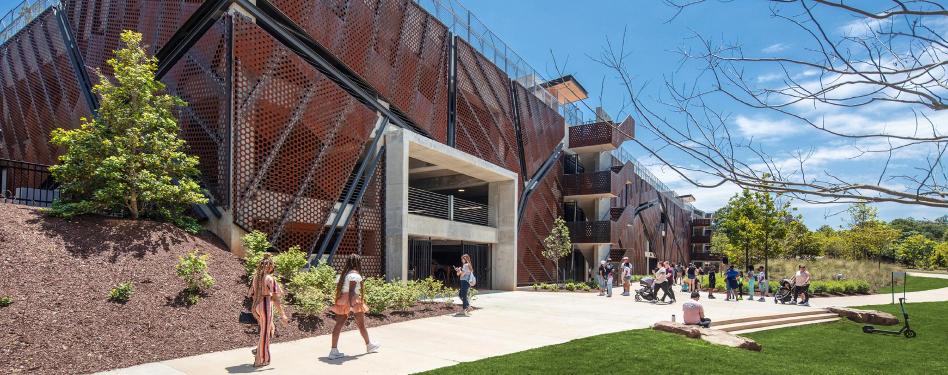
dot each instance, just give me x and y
(826, 268)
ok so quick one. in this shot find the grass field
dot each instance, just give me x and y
(918, 283)
(830, 348)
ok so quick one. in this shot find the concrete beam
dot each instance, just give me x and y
(447, 182)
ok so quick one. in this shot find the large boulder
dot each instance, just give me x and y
(720, 337)
(866, 316)
(713, 336)
(678, 328)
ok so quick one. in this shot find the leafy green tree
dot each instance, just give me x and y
(869, 236)
(801, 243)
(915, 251)
(936, 230)
(557, 245)
(832, 243)
(755, 223)
(939, 256)
(129, 158)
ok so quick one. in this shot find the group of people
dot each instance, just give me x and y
(266, 295)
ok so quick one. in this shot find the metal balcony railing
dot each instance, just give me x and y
(447, 207)
(21, 15)
(701, 238)
(27, 184)
(588, 183)
(590, 231)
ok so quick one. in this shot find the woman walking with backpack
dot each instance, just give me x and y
(266, 294)
(466, 275)
(349, 299)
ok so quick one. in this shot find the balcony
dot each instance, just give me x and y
(599, 136)
(700, 238)
(701, 222)
(590, 231)
(602, 184)
(447, 207)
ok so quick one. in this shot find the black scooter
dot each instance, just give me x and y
(908, 332)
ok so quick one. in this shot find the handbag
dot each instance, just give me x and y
(472, 280)
(246, 317)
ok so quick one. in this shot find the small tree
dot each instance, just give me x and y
(557, 245)
(129, 158)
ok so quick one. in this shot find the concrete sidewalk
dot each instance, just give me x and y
(506, 323)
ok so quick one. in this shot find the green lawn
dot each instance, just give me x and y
(831, 348)
(918, 283)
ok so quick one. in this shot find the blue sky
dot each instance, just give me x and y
(574, 31)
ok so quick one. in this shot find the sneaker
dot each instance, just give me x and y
(804, 304)
(372, 348)
(335, 354)
(712, 297)
(465, 313)
(761, 299)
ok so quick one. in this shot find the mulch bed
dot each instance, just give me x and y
(59, 273)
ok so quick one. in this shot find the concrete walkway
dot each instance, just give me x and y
(506, 323)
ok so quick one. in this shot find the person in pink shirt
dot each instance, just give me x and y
(693, 312)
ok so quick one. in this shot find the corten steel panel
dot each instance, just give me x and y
(98, 24)
(543, 207)
(394, 45)
(542, 128)
(202, 78)
(39, 93)
(674, 247)
(485, 126)
(297, 138)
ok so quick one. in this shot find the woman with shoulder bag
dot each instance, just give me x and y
(466, 274)
(266, 294)
(349, 299)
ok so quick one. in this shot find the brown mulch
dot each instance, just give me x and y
(59, 273)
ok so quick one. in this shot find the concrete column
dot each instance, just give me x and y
(602, 208)
(502, 206)
(396, 206)
(604, 161)
(602, 251)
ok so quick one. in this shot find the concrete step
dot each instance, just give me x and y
(827, 320)
(772, 316)
(771, 322)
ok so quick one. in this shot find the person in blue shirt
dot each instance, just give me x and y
(730, 279)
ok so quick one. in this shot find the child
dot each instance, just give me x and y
(730, 281)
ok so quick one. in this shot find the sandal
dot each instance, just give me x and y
(265, 364)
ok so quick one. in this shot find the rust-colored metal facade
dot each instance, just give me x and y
(394, 45)
(38, 92)
(277, 139)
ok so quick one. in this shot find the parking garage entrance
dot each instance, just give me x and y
(437, 258)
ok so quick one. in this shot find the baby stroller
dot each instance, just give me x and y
(646, 292)
(785, 293)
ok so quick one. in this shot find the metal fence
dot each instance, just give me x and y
(447, 207)
(27, 184)
(21, 15)
(466, 25)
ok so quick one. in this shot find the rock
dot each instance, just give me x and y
(866, 316)
(677, 328)
(719, 337)
(713, 336)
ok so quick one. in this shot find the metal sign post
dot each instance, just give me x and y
(904, 278)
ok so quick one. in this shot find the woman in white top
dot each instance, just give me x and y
(349, 298)
(464, 273)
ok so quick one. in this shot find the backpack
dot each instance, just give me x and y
(471, 279)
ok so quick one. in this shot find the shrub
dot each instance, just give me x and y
(322, 278)
(6, 301)
(818, 287)
(404, 295)
(256, 244)
(122, 292)
(430, 289)
(536, 286)
(288, 263)
(378, 295)
(193, 270)
(311, 301)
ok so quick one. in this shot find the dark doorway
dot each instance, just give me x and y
(652, 264)
(439, 258)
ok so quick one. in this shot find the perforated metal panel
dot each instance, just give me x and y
(542, 128)
(40, 92)
(202, 78)
(485, 125)
(394, 45)
(543, 207)
(298, 137)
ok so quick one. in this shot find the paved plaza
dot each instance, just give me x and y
(507, 322)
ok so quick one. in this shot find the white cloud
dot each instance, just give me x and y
(775, 48)
(769, 77)
(760, 128)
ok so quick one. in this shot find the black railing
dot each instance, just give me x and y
(427, 203)
(27, 183)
